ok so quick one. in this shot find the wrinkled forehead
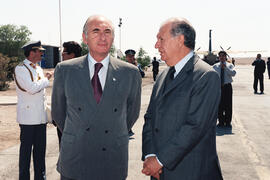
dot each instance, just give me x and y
(165, 28)
(101, 23)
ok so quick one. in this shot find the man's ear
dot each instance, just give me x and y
(72, 55)
(181, 39)
(84, 38)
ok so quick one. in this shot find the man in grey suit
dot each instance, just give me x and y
(95, 102)
(179, 134)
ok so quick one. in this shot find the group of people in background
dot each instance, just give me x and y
(96, 100)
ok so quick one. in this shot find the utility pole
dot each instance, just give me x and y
(60, 28)
(210, 41)
(119, 25)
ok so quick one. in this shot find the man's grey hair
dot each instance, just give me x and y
(90, 18)
(182, 26)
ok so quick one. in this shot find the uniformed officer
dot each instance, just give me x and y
(130, 56)
(31, 114)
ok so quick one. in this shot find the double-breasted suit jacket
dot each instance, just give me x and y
(180, 123)
(95, 136)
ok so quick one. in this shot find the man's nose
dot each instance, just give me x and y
(157, 45)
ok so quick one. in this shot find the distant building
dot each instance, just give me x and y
(51, 56)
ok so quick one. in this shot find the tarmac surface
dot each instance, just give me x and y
(243, 150)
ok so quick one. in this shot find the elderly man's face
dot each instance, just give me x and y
(167, 45)
(99, 38)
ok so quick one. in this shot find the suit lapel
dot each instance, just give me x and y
(85, 83)
(110, 84)
(181, 76)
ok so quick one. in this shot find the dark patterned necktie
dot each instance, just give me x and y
(96, 83)
(170, 76)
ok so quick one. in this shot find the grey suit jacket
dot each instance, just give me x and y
(180, 123)
(95, 136)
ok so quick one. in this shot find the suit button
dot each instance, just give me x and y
(103, 149)
(115, 110)
(87, 129)
(80, 109)
(156, 129)
(106, 131)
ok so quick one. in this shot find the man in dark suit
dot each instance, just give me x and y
(179, 134)
(95, 102)
(155, 66)
(258, 73)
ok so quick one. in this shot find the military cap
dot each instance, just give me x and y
(130, 51)
(33, 45)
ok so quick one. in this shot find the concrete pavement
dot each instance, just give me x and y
(243, 150)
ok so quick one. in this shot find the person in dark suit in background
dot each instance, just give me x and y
(258, 73)
(95, 102)
(179, 133)
(155, 66)
(226, 71)
(71, 50)
(268, 66)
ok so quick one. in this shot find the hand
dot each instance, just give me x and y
(152, 167)
(48, 75)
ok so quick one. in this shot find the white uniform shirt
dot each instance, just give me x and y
(229, 71)
(31, 102)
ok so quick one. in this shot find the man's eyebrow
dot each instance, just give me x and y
(96, 29)
(108, 30)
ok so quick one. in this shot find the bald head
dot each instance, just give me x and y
(93, 18)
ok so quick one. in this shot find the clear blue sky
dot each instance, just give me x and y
(241, 24)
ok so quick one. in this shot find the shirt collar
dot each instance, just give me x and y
(104, 62)
(26, 61)
(179, 66)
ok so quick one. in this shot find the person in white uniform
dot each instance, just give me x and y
(31, 110)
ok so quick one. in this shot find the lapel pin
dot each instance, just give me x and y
(113, 79)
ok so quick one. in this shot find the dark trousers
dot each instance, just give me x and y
(225, 105)
(155, 73)
(258, 76)
(32, 136)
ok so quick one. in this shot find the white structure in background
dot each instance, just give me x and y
(119, 54)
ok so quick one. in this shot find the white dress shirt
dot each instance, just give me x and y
(102, 74)
(179, 66)
(229, 71)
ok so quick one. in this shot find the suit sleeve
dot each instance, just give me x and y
(134, 101)
(147, 142)
(58, 99)
(24, 80)
(201, 117)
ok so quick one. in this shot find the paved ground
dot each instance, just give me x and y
(243, 150)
